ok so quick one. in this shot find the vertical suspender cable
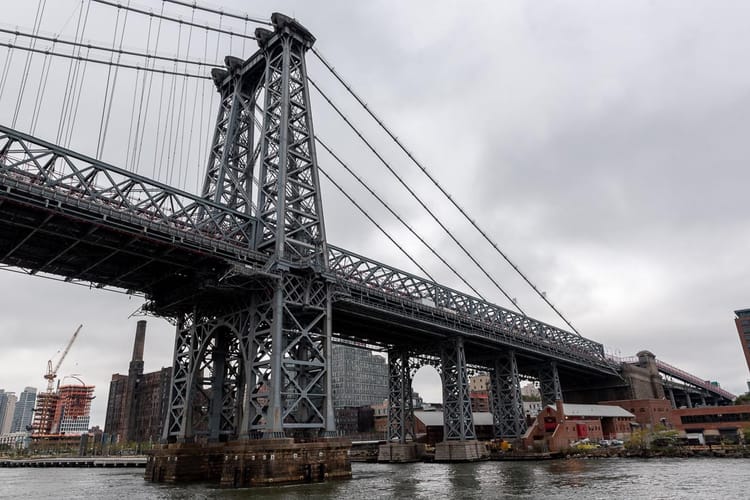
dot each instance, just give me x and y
(106, 86)
(114, 83)
(80, 76)
(27, 66)
(7, 65)
(182, 112)
(132, 117)
(148, 99)
(134, 167)
(200, 121)
(41, 89)
(167, 137)
(63, 136)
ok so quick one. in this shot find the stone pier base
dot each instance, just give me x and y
(400, 453)
(460, 451)
(241, 464)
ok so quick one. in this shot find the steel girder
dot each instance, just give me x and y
(549, 383)
(505, 399)
(458, 420)
(400, 403)
(290, 217)
(367, 280)
(41, 172)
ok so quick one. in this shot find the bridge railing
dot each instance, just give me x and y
(32, 165)
(353, 268)
(696, 381)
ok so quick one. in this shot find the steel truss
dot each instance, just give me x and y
(229, 176)
(289, 206)
(458, 421)
(505, 400)
(400, 402)
(549, 383)
(284, 333)
(419, 297)
(210, 355)
(36, 171)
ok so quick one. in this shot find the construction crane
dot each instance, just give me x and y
(52, 372)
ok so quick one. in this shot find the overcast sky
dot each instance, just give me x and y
(603, 145)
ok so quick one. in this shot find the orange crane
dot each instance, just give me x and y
(52, 372)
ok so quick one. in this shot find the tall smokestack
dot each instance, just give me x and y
(140, 340)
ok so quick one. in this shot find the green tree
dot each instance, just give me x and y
(744, 399)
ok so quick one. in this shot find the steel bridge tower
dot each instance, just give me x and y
(255, 369)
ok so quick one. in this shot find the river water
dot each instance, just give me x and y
(611, 478)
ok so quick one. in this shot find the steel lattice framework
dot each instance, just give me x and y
(458, 420)
(400, 403)
(505, 399)
(255, 290)
(549, 383)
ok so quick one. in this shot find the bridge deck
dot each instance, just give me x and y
(73, 216)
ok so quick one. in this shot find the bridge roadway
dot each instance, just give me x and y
(65, 214)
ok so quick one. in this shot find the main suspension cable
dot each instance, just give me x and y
(89, 45)
(364, 212)
(397, 216)
(103, 61)
(415, 196)
(484, 234)
(169, 18)
(195, 6)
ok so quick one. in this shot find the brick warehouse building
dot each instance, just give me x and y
(137, 402)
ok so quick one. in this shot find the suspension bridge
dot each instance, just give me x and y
(234, 251)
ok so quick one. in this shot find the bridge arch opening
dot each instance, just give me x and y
(427, 383)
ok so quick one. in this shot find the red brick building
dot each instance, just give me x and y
(557, 427)
(713, 423)
(648, 412)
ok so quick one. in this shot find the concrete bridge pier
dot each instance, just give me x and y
(459, 436)
(506, 404)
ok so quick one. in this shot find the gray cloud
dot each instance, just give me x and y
(603, 145)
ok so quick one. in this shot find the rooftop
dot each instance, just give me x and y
(578, 410)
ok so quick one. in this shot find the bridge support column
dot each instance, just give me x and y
(459, 437)
(671, 397)
(507, 406)
(549, 384)
(687, 399)
(402, 445)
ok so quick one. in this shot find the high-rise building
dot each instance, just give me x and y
(3, 404)
(137, 402)
(73, 410)
(742, 322)
(359, 377)
(24, 410)
(7, 407)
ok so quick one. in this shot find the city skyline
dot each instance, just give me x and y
(618, 190)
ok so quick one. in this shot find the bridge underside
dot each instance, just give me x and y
(72, 242)
(391, 329)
